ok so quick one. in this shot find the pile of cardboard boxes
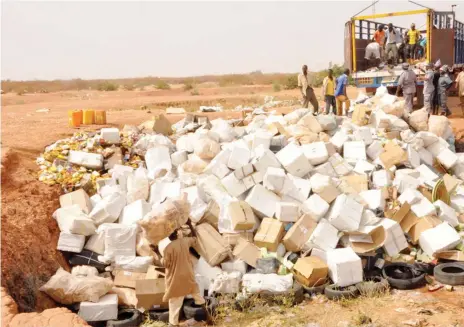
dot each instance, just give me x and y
(319, 194)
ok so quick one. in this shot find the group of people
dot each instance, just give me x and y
(333, 92)
(388, 44)
(437, 82)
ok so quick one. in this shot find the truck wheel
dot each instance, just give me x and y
(126, 318)
(403, 276)
(450, 273)
(333, 292)
(159, 315)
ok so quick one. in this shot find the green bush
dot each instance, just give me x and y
(188, 86)
(276, 87)
(163, 85)
(291, 82)
(107, 86)
(194, 92)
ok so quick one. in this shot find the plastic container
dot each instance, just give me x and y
(75, 118)
(100, 117)
(88, 117)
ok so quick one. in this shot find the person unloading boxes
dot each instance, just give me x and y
(180, 276)
(407, 83)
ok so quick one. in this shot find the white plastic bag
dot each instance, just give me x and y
(132, 263)
(226, 283)
(137, 186)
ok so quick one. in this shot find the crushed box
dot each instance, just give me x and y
(269, 234)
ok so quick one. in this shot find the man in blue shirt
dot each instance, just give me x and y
(340, 92)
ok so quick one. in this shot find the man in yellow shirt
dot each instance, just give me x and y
(414, 37)
(328, 93)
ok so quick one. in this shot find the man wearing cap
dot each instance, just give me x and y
(407, 83)
(392, 37)
(414, 36)
(428, 88)
(305, 83)
(460, 88)
(444, 83)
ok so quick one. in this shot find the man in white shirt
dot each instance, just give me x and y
(305, 84)
(392, 38)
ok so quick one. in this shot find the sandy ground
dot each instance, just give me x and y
(29, 233)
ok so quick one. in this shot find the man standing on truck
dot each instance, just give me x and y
(414, 36)
(306, 85)
(392, 37)
(428, 88)
(379, 37)
(340, 92)
(407, 83)
(180, 277)
(444, 84)
(328, 93)
(460, 88)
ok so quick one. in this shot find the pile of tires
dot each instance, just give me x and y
(403, 276)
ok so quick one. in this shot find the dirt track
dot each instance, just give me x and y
(29, 233)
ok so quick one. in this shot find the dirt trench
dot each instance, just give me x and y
(29, 233)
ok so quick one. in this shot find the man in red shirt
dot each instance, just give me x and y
(379, 37)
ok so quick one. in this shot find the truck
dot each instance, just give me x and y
(445, 41)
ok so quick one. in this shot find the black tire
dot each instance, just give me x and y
(316, 289)
(425, 267)
(403, 276)
(298, 295)
(451, 273)
(126, 318)
(197, 312)
(373, 287)
(334, 293)
(159, 315)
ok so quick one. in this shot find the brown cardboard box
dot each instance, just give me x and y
(269, 234)
(211, 215)
(422, 225)
(393, 155)
(310, 271)
(360, 115)
(393, 135)
(127, 278)
(329, 194)
(450, 255)
(79, 197)
(299, 233)
(150, 293)
(280, 129)
(159, 124)
(247, 252)
(409, 221)
(210, 245)
(241, 216)
(115, 159)
(357, 182)
(232, 238)
(367, 239)
(450, 183)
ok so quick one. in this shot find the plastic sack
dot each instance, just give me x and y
(134, 264)
(372, 50)
(381, 91)
(108, 209)
(126, 296)
(68, 289)
(84, 271)
(438, 125)
(267, 265)
(388, 99)
(396, 109)
(120, 241)
(186, 142)
(143, 246)
(295, 115)
(225, 131)
(164, 219)
(137, 186)
(226, 283)
(268, 283)
(419, 120)
(194, 165)
(153, 140)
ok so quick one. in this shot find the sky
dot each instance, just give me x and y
(111, 39)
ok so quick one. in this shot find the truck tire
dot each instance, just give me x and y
(403, 276)
(333, 292)
(450, 273)
(159, 315)
(197, 312)
(316, 289)
(126, 318)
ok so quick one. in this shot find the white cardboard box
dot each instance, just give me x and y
(287, 212)
(446, 213)
(426, 157)
(253, 179)
(72, 220)
(411, 196)
(413, 157)
(447, 158)
(274, 179)
(261, 139)
(354, 151)
(120, 241)
(436, 148)
(110, 135)
(345, 213)
(325, 169)
(345, 267)
(79, 197)
(158, 159)
(325, 237)
(395, 241)
(339, 139)
(86, 159)
(423, 208)
(439, 238)
(70, 242)
(239, 157)
(265, 158)
(218, 169)
(381, 178)
(105, 309)
(340, 165)
(363, 134)
(363, 167)
(159, 191)
(403, 182)
(323, 186)
(262, 201)
(294, 160)
(315, 152)
(374, 199)
(374, 150)
(315, 207)
(244, 171)
(108, 209)
(234, 186)
(134, 212)
(179, 157)
(296, 188)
